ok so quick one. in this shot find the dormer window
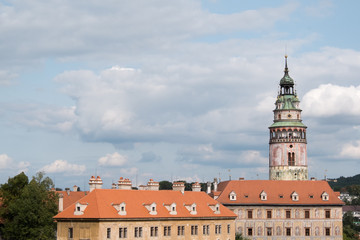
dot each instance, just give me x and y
(80, 208)
(281, 196)
(295, 196)
(215, 208)
(120, 208)
(263, 196)
(191, 208)
(151, 208)
(232, 196)
(325, 196)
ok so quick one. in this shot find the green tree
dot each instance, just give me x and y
(238, 236)
(28, 208)
(165, 185)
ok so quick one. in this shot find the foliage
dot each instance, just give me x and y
(343, 182)
(238, 236)
(350, 230)
(28, 208)
(165, 185)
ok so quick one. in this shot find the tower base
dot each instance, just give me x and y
(288, 173)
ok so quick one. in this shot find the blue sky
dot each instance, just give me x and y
(173, 90)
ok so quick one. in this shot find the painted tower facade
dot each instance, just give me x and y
(287, 146)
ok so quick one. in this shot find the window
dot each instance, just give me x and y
(123, 232)
(268, 214)
(108, 233)
(288, 231)
(153, 231)
(228, 228)
(327, 231)
(327, 213)
(206, 230)
(268, 231)
(217, 229)
(71, 232)
(181, 230)
(194, 230)
(167, 230)
(250, 231)
(291, 159)
(307, 213)
(288, 213)
(249, 213)
(307, 231)
(138, 232)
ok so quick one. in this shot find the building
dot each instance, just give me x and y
(288, 206)
(146, 214)
(67, 197)
(280, 209)
(287, 146)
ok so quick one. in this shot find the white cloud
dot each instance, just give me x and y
(351, 150)
(5, 162)
(329, 100)
(114, 159)
(62, 166)
(252, 157)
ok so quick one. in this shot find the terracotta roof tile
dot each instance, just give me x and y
(100, 204)
(71, 198)
(278, 192)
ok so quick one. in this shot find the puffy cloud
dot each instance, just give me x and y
(114, 159)
(62, 166)
(351, 150)
(329, 100)
(5, 161)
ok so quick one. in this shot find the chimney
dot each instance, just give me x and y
(124, 183)
(61, 202)
(215, 184)
(113, 186)
(75, 188)
(95, 183)
(208, 190)
(178, 186)
(152, 185)
(313, 179)
(241, 179)
(196, 187)
(67, 191)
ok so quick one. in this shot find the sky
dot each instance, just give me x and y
(173, 90)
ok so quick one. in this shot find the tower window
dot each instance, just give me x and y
(291, 159)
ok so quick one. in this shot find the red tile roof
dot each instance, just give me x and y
(248, 192)
(72, 197)
(100, 205)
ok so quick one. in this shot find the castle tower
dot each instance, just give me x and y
(287, 146)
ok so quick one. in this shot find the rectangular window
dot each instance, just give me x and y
(181, 230)
(138, 232)
(268, 231)
(307, 213)
(206, 230)
(71, 232)
(108, 233)
(307, 231)
(327, 213)
(288, 231)
(288, 213)
(268, 213)
(194, 230)
(327, 231)
(217, 229)
(249, 213)
(123, 232)
(228, 228)
(153, 231)
(250, 232)
(167, 230)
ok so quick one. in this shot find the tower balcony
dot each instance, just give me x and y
(287, 140)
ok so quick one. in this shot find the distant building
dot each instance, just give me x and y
(283, 209)
(146, 214)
